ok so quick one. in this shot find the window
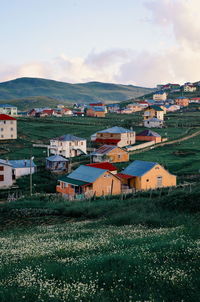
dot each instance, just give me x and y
(4, 122)
(1, 177)
(147, 180)
(101, 135)
(12, 135)
(11, 129)
(1, 129)
(1, 168)
(119, 155)
(1, 136)
(11, 122)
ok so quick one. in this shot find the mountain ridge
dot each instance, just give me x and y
(28, 87)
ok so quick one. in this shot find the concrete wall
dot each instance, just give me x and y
(6, 172)
(8, 129)
(141, 146)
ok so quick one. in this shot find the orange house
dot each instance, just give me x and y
(88, 181)
(182, 101)
(98, 111)
(111, 154)
(148, 135)
(145, 175)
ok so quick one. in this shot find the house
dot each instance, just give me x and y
(57, 163)
(66, 111)
(149, 135)
(182, 101)
(153, 111)
(68, 145)
(8, 127)
(145, 175)
(105, 166)
(6, 178)
(117, 136)
(160, 96)
(88, 181)
(8, 109)
(110, 153)
(189, 87)
(135, 107)
(22, 167)
(172, 108)
(113, 108)
(153, 123)
(97, 111)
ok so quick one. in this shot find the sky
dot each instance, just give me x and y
(138, 42)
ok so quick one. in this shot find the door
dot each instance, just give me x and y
(159, 181)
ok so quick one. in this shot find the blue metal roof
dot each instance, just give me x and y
(86, 173)
(139, 167)
(7, 105)
(98, 108)
(5, 162)
(22, 163)
(115, 129)
(69, 137)
(56, 158)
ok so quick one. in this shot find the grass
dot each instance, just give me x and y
(136, 249)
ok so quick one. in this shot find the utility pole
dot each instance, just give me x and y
(31, 178)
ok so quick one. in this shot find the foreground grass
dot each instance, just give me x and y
(136, 249)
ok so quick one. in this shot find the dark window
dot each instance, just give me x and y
(1, 168)
(1, 177)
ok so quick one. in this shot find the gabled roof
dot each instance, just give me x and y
(5, 162)
(7, 106)
(22, 163)
(153, 119)
(105, 166)
(104, 149)
(86, 174)
(155, 107)
(148, 132)
(98, 108)
(139, 167)
(5, 117)
(68, 137)
(115, 129)
(56, 158)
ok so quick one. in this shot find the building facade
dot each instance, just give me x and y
(8, 109)
(68, 146)
(8, 127)
(6, 177)
(117, 136)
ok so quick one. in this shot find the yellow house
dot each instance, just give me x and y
(145, 175)
(154, 111)
(160, 96)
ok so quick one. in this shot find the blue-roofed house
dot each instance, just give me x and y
(22, 167)
(87, 181)
(117, 136)
(145, 175)
(8, 109)
(57, 163)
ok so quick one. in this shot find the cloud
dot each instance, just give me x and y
(177, 63)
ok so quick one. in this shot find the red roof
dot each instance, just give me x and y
(48, 111)
(125, 176)
(96, 104)
(5, 117)
(105, 165)
(107, 141)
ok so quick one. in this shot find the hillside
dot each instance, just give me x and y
(24, 88)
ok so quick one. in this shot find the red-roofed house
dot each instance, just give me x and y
(8, 127)
(105, 166)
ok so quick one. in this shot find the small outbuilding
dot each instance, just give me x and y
(57, 163)
(22, 167)
(148, 135)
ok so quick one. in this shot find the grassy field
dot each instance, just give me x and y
(136, 249)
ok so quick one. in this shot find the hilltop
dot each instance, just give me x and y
(27, 88)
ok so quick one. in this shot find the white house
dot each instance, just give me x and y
(6, 179)
(68, 146)
(8, 109)
(189, 87)
(22, 167)
(8, 127)
(160, 96)
(153, 123)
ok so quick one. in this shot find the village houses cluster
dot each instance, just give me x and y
(110, 146)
